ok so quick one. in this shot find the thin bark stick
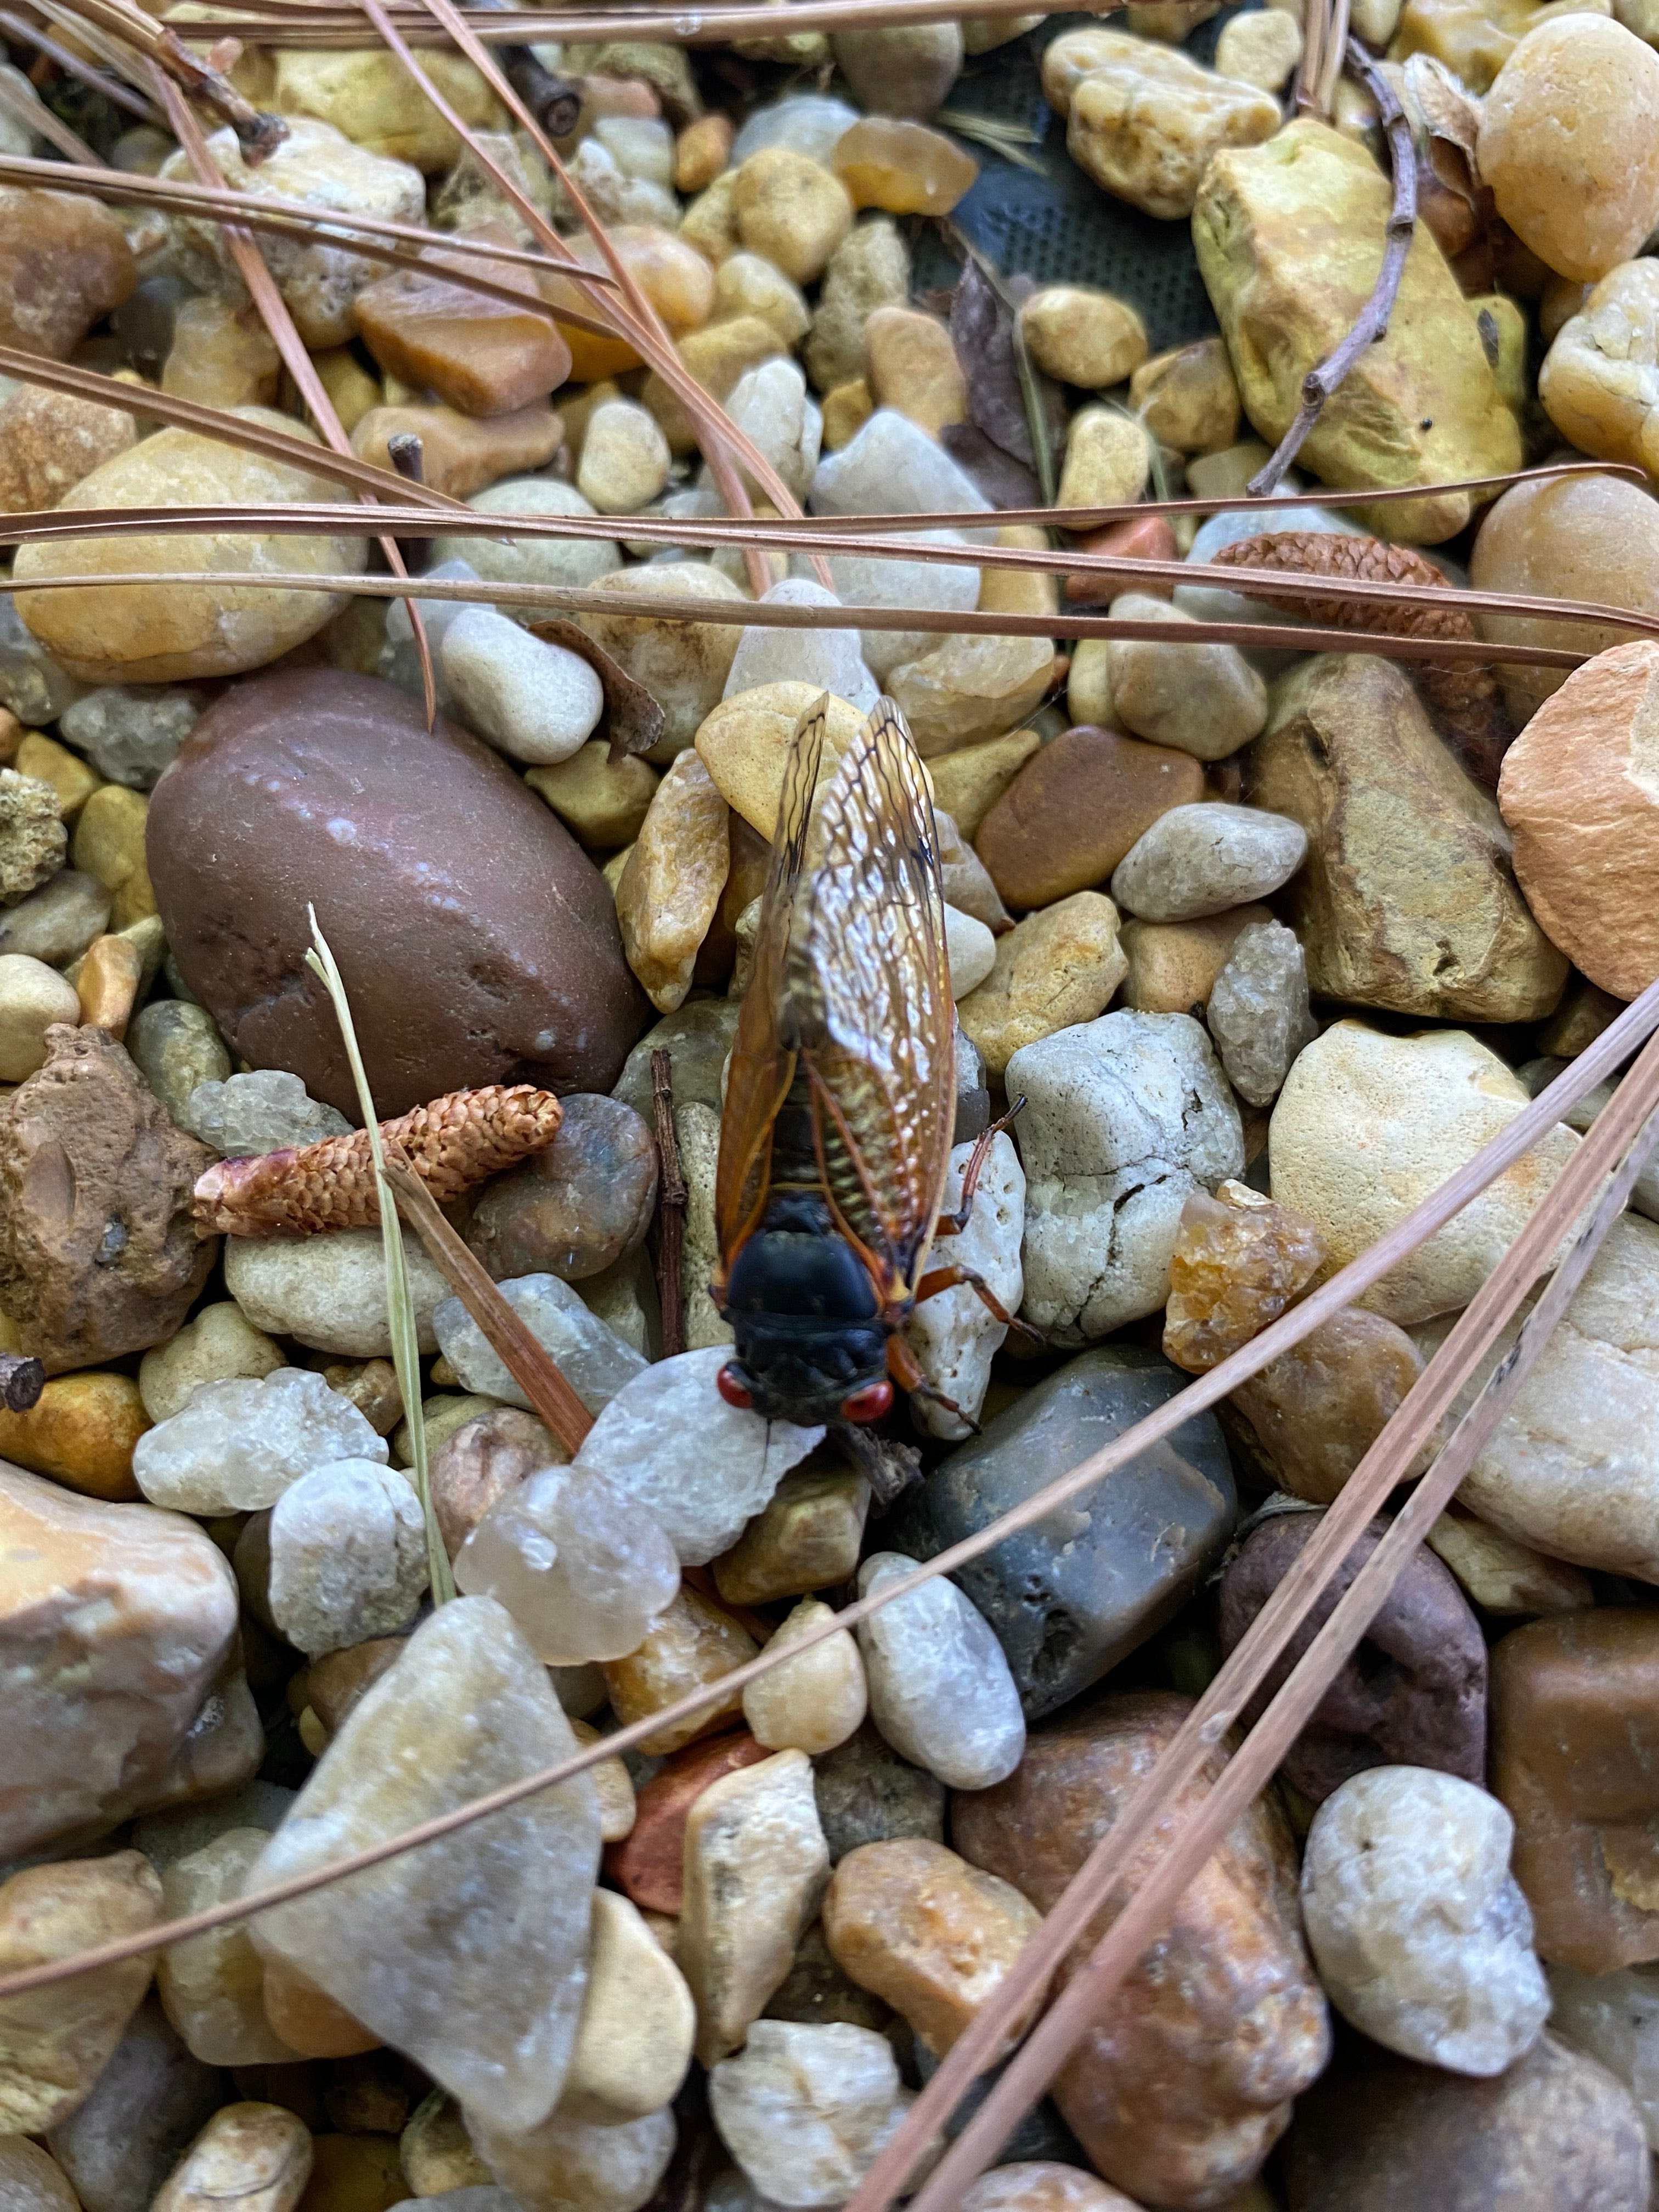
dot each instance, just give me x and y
(164, 51)
(526, 1360)
(1600, 1059)
(119, 94)
(336, 26)
(670, 1207)
(1322, 382)
(1629, 1141)
(266, 295)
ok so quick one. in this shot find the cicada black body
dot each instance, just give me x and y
(841, 1100)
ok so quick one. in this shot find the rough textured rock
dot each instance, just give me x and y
(1124, 1117)
(1368, 1125)
(63, 265)
(1056, 968)
(1287, 239)
(1258, 1012)
(1204, 700)
(54, 2042)
(251, 2157)
(953, 1333)
(118, 1629)
(927, 1932)
(1199, 860)
(347, 1556)
(1073, 1595)
(867, 1794)
(1413, 1693)
(941, 1689)
(235, 1446)
(1407, 899)
(1574, 1753)
(1611, 2018)
(1183, 2083)
(804, 2110)
(1576, 790)
(158, 633)
(1420, 1933)
(597, 1363)
(486, 1997)
(479, 943)
(32, 2180)
(1556, 2133)
(150, 2097)
(98, 1252)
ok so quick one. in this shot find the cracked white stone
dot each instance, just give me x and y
(237, 1445)
(804, 2110)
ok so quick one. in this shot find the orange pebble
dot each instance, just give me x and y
(649, 1862)
(1148, 538)
(107, 984)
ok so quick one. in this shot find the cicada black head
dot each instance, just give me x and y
(811, 1343)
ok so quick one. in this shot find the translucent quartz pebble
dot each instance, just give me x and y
(592, 1359)
(212, 1986)
(940, 1691)
(804, 2110)
(1238, 1262)
(669, 1442)
(130, 733)
(262, 1112)
(1420, 1932)
(808, 124)
(347, 1556)
(830, 657)
(887, 162)
(469, 1955)
(237, 1445)
(581, 1569)
(769, 404)
(862, 580)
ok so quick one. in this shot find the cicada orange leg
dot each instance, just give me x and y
(952, 1224)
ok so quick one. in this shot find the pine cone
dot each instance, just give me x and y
(1464, 700)
(453, 1143)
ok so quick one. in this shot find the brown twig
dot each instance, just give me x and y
(276, 25)
(526, 1360)
(36, 116)
(1321, 382)
(1599, 1059)
(1625, 1146)
(670, 1207)
(257, 134)
(407, 454)
(22, 1381)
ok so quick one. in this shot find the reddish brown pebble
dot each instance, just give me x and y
(1075, 809)
(1148, 538)
(649, 1864)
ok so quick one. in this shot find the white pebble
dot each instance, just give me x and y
(625, 459)
(347, 1556)
(237, 1445)
(593, 1359)
(804, 2110)
(940, 1691)
(971, 949)
(954, 1333)
(532, 700)
(832, 657)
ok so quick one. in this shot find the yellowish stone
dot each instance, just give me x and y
(914, 368)
(1173, 965)
(55, 2042)
(749, 284)
(791, 211)
(1188, 398)
(1239, 1262)
(846, 412)
(106, 979)
(1475, 37)
(746, 740)
(1502, 1576)
(888, 161)
(353, 2173)
(613, 1785)
(48, 761)
(436, 2151)
(806, 1538)
(815, 1701)
(671, 888)
(603, 801)
(638, 2021)
(968, 783)
(222, 356)
(81, 1432)
(1600, 381)
(369, 94)
(1017, 590)
(166, 633)
(212, 1986)
(683, 664)
(462, 453)
(702, 151)
(248, 2158)
(673, 276)
(971, 688)
(693, 1642)
(307, 2019)
(1109, 459)
(109, 844)
(717, 358)
(710, 223)
(1057, 967)
(1082, 336)
(1262, 47)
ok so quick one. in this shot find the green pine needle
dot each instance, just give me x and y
(400, 1304)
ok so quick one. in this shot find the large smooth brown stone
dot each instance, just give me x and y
(1556, 2133)
(65, 262)
(478, 943)
(1075, 808)
(1182, 2085)
(476, 353)
(1580, 791)
(1575, 1756)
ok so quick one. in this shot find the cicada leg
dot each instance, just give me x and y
(946, 1279)
(952, 1224)
(906, 1370)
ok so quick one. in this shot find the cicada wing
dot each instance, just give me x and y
(869, 983)
(763, 1056)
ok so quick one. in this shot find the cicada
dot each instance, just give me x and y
(840, 1099)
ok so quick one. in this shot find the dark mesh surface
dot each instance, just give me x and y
(1060, 226)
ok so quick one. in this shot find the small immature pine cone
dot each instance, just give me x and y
(1464, 700)
(453, 1143)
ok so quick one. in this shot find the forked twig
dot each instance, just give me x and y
(526, 1360)
(1625, 1146)
(1326, 378)
(670, 1207)
(1599, 1059)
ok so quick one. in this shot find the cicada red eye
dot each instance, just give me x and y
(868, 1403)
(733, 1387)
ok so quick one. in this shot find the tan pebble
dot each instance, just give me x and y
(305, 2018)
(748, 284)
(1598, 380)
(372, 97)
(683, 664)
(891, 163)
(1568, 144)
(109, 844)
(806, 1538)
(814, 1702)
(1188, 398)
(702, 151)
(717, 358)
(81, 1432)
(614, 1787)
(846, 412)
(1055, 969)
(1041, 2186)
(693, 1642)
(1107, 459)
(372, 1387)
(625, 459)
(1082, 336)
(1262, 48)
(33, 997)
(914, 368)
(1075, 808)
(349, 385)
(1318, 1408)
(603, 801)
(671, 888)
(222, 356)
(638, 2024)
(744, 741)
(11, 736)
(73, 779)
(334, 1683)
(212, 1986)
(1173, 965)
(1226, 474)
(1502, 1576)
(710, 223)
(968, 784)
(31, 2180)
(930, 1934)
(970, 688)
(791, 210)
(65, 262)
(461, 454)
(220, 1344)
(106, 983)
(756, 1865)
(49, 441)
(54, 2042)
(436, 2151)
(475, 351)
